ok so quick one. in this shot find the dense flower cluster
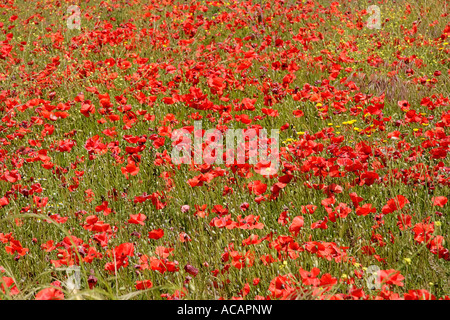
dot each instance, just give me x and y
(86, 134)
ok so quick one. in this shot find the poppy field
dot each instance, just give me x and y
(95, 204)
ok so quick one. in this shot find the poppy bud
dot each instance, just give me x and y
(191, 270)
(92, 281)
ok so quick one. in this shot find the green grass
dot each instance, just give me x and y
(124, 30)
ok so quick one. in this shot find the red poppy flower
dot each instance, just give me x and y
(137, 218)
(143, 284)
(50, 294)
(156, 234)
(296, 225)
(439, 201)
